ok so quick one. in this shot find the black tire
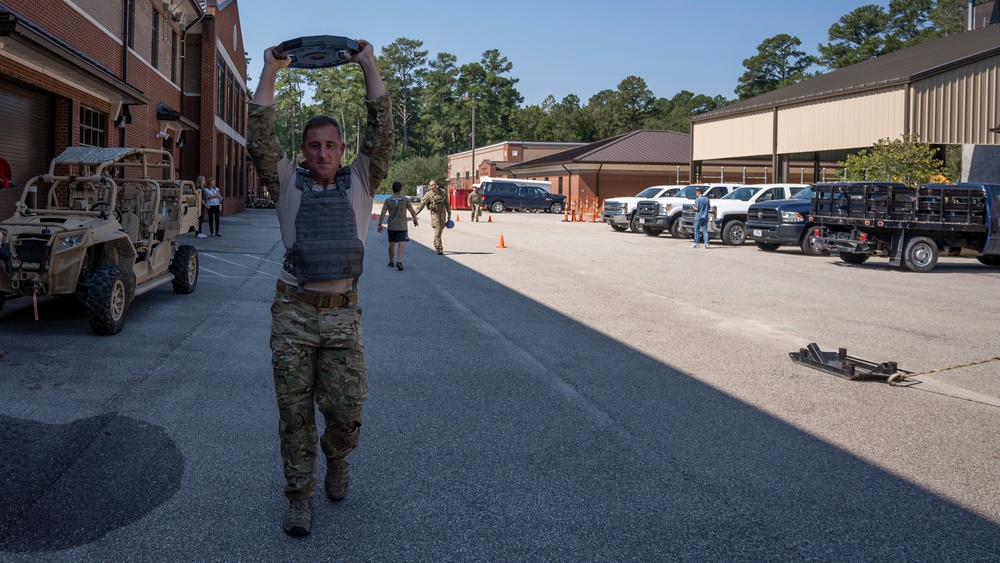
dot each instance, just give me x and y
(617, 227)
(853, 257)
(768, 246)
(556, 207)
(991, 260)
(184, 267)
(108, 300)
(734, 233)
(651, 232)
(920, 254)
(808, 248)
(676, 230)
(634, 225)
(497, 207)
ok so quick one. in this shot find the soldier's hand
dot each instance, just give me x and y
(379, 228)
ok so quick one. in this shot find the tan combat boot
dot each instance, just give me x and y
(337, 478)
(298, 517)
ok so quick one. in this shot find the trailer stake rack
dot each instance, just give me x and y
(840, 364)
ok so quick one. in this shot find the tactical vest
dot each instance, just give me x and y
(326, 246)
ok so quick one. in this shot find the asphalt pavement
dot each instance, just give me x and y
(580, 395)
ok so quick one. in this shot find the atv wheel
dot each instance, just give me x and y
(184, 267)
(107, 300)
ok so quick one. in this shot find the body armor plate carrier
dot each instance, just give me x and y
(326, 246)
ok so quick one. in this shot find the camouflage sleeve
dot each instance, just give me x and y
(264, 149)
(423, 204)
(377, 142)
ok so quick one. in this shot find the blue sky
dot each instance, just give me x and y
(561, 47)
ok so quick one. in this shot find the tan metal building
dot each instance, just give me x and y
(946, 91)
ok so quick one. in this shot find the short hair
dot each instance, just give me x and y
(699, 191)
(397, 187)
(200, 180)
(321, 121)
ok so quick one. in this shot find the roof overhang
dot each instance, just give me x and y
(26, 43)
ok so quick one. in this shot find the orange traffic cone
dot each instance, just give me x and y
(489, 219)
(565, 216)
(501, 244)
(458, 217)
(373, 217)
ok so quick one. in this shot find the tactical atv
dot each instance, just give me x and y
(100, 225)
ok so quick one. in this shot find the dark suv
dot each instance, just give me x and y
(499, 195)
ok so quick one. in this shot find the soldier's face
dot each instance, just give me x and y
(323, 151)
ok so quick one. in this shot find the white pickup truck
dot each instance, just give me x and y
(619, 212)
(663, 214)
(728, 216)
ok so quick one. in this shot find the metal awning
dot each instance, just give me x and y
(24, 41)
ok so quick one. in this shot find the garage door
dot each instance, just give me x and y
(25, 137)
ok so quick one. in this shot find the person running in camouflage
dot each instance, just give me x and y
(475, 202)
(317, 352)
(437, 201)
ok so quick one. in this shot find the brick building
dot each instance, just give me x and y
(124, 73)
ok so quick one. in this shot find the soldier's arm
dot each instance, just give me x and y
(262, 141)
(377, 139)
(423, 204)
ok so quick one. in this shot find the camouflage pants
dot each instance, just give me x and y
(477, 210)
(318, 358)
(437, 223)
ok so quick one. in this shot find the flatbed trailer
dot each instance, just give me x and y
(909, 225)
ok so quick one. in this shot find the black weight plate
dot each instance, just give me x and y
(318, 51)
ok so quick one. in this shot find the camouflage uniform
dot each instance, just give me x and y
(317, 352)
(437, 202)
(476, 203)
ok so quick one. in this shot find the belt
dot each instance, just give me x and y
(321, 300)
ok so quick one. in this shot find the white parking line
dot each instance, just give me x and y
(214, 257)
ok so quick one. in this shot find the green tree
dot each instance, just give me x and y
(339, 92)
(910, 23)
(778, 63)
(439, 126)
(415, 171)
(288, 110)
(605, 113)
(904, 160)
(524, 123)
(494, 93)
(564, 121)
(403, 65)
(675, 114)
(858, 36)
(635, 100)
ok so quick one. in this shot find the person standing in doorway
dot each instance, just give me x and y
(475, 202)
(317, 350)
(213, 199)
(701, 207)
(437, 201)
(396, 207)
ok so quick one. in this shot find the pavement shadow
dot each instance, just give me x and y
(537, 437)
(66, 485)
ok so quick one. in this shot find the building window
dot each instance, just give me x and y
(560, 185)
(230, 96)
(174, 56)
(155, 56)
(93, 127)
(513, 153)
(220, 88)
